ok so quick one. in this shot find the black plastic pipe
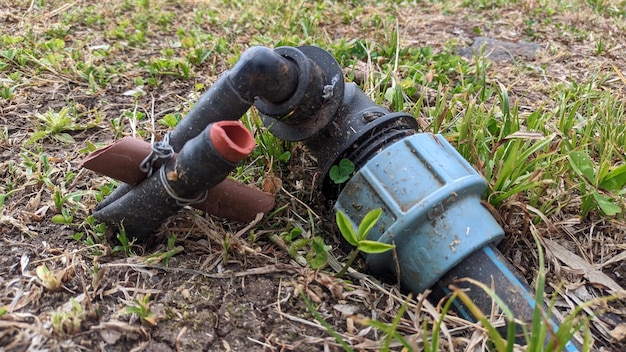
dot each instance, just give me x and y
(260, 73)
(488, 266)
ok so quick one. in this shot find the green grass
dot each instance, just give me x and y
(135, 67)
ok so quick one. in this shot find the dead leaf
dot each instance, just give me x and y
(346, 310)
(615, 259)
(272, 184)
(594, 276)
(526, 135)
(619, 333)
(350, 325)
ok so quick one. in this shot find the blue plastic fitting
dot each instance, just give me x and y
(430, 196)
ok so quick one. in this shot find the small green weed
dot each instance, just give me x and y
(159, 67)
(171, 120)
(7, 91)
(63, 218)
(125, 244)
(602, 185)
(68, 323)
(55, 124)
(297, 241)
(141, 307)
(164, 256)
(359, 238)
(38, 169)
(92, 234)
(65, 203)
(341, 173)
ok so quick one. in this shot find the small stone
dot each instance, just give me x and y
(500, 50)
(110, 337)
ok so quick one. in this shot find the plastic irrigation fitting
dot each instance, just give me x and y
(261, 75)
(430, 198)
(432, 211)
(202, 163)
(313, 105)
(430, 194)
(360, 130)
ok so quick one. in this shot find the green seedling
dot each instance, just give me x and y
(38, 169)
(7, 91)
(359, 238)
(61, 200)
(64, 217)
(55, 125)
(341, 173)
(317, 255)
(164, 257)
(159, 67)
(126, 245)
(141, 307)
(68, 323)
(93, 234)
(97, 230)
(91, 147)
(602, 184)
(171, 120)
(268, 145)
(316, 249)
(48, 279)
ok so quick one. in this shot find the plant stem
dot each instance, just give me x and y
(351, 259)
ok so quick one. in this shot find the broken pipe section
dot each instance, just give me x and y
(196, 176)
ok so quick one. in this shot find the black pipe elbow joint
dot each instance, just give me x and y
(334, 119)
(315, 100)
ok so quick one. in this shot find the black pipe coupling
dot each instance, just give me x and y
(359, 131)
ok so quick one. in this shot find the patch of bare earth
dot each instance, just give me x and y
(247, 296)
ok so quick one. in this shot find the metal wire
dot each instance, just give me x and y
(160, 151)
(179, 200)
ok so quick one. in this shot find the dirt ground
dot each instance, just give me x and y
(248, 296)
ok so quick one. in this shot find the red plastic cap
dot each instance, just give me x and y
(232, 140)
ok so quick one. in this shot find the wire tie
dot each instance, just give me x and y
(161, 150)
(179, 200)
